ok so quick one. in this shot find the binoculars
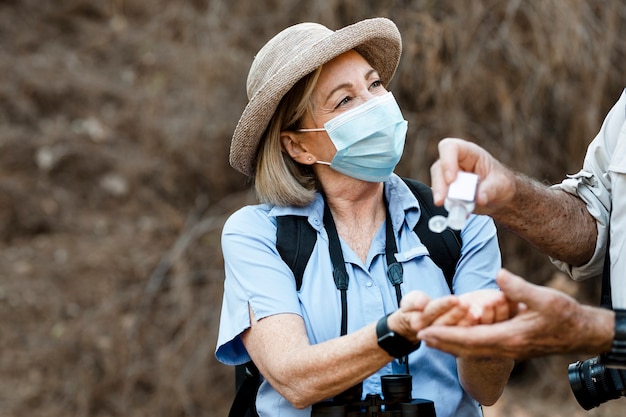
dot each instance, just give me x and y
(396, 401)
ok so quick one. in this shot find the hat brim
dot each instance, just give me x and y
(377, 40)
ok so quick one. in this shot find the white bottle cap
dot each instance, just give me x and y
(464, 187)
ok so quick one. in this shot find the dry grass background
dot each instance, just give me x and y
(115, 119)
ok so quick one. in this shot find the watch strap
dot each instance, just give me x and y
(616, 357)
(392, 343)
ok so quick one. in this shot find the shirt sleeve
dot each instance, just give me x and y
(480, 256)
(256, 278)
(592, 184)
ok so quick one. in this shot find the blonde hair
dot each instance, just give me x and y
(280, 180)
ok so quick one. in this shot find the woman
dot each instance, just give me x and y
(322, 134)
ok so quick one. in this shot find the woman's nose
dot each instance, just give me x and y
(368, 95)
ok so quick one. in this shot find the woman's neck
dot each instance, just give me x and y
(358, 211)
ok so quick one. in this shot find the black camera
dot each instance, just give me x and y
(396, 401)
(594, 383)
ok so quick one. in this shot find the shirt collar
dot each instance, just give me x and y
(314, 212)
(403, 206)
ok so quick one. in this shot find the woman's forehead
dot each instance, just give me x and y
(342, 70)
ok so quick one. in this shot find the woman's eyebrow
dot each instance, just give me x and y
(368, 74)
(337, 88)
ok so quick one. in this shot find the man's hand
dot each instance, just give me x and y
(547, 322)
(496, 186)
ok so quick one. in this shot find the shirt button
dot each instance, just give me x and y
(369, 284)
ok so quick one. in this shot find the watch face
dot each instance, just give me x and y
(387, 336)
(388, 344)
(386, 341)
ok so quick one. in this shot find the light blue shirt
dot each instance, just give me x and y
(257, 276)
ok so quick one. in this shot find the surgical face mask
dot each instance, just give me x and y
(369, 139)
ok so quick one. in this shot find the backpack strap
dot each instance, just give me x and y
(295, 240)
(444, 247)
(247, 382)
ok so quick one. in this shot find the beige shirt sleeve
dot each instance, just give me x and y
(594, 185)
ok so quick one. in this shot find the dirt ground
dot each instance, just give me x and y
(115, 119)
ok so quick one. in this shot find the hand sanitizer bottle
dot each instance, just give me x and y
(459, 203)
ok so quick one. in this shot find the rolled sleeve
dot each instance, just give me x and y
(592, 184)
(596, 198)
(480, 256)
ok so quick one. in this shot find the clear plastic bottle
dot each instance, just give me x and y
(459, 203)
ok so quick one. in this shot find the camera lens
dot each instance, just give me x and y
(594, 384)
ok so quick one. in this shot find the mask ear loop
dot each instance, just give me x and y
(313, 129)
(309, 159)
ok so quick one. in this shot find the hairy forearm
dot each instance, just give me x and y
(555, 222)
(597, 329)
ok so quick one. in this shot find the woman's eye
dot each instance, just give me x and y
(376, 84)
(344, 101)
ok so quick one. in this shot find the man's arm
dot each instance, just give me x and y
(552, 220)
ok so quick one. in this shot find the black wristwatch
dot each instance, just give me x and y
(392, 343)
(616, 357)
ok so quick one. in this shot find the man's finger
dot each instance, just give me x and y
(438, 183)
(517, 289)
(461, 341)
(449, 157)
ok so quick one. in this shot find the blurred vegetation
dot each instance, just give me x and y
(115, 122)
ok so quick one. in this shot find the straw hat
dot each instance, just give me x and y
(294, 53)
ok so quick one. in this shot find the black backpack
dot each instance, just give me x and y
(295, 240)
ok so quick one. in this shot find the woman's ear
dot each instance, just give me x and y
(292, 146)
